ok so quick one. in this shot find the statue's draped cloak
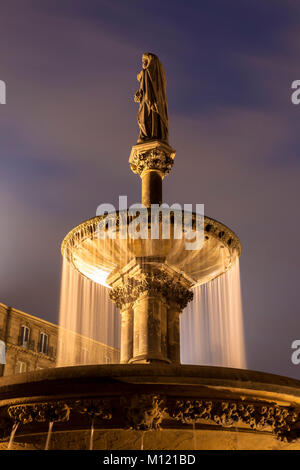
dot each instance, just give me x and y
(153, 111)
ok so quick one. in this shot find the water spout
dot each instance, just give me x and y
(142, 440)
(12, 435)
(194, 436)
(49, 435)
(92, 434)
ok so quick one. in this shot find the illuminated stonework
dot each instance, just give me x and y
(150, 401)
(249, 408)
(152, 156)
(151, 297)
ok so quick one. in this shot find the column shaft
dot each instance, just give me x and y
(151, 187)
(126, 335)
(150, 320)
(174, 333)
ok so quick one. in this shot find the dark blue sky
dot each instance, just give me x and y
(70, 121)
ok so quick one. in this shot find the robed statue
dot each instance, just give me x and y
(153, 119)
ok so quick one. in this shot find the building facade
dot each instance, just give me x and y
(32, 343)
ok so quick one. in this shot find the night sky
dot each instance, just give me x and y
(70, 120)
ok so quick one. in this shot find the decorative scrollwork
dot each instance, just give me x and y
(143, 412)
(146, 412)
(23, 414)
(284, 422)
(94, 408)
(152, 159)
(189, 411)
(122, 295)
(40, 412)
(156, 283)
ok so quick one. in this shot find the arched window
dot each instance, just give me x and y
(24, 336)
(43, 345)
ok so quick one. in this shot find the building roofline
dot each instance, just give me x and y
(33, 317)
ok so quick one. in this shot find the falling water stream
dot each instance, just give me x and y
(49, 435)
(89, 321)
(12, 435)
(237, 438)
(212, 324)
(142, 440)
(194, 436)
(92, 434)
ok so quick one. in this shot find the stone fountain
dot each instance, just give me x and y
(150, 400)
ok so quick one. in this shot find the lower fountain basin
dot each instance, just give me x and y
(156, 407)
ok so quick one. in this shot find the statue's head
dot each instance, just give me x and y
(148, 57)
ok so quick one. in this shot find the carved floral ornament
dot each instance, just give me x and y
(57, 411)
(152, 159)
(284, 422)
(94, 408)
(156, 283)
(147, 412)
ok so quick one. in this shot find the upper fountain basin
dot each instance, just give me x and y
(98, 246)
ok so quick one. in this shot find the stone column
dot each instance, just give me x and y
(150, 319)
(126, 348)
(151, 187)
(173, 344)
(151, 297)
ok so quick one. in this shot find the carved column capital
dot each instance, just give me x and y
(122, 295)
(153, 283)
(152, 155)
(155, 294)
